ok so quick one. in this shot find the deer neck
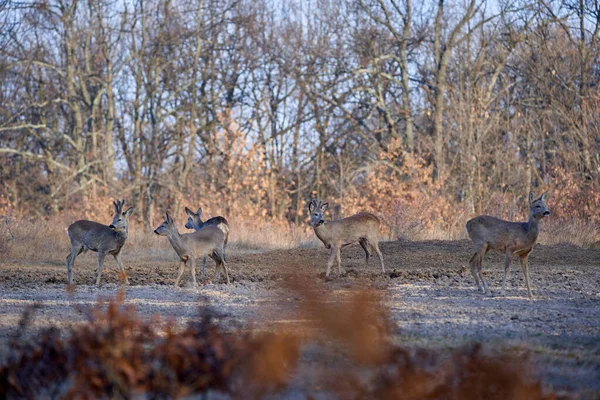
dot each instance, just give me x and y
(532, 228)
(322, 232)
(176, 241)
(121, 235)
(200, 226)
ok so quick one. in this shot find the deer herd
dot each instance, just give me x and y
(209, 238)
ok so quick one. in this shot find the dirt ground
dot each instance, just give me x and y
(428, 290)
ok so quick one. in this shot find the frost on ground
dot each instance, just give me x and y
(429, 294)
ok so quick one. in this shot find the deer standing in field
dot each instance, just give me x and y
(509, 237)
(89, 235)
(362, 228)
(195, 222)
(209, 240)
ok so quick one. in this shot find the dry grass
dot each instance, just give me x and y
(248, 235)
(583, 233)
(47, 240)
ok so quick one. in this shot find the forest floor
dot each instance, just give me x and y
(427, 291)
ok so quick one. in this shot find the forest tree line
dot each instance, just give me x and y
(252, 107)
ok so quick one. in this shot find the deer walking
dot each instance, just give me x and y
(195, 222)
(362, 228)
(89, 235)
(207, 241)
(509, 237)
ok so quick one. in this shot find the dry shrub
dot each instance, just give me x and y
(118, 355)
(469, 373)
(358, 323)
(270, 364)
(360, 326)
(255, 198)
(410, 202)
(414, 206)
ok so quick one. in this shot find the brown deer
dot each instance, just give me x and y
(362, 228)
(195, 222)
(509, 237)
(89, 235)
(188, 246)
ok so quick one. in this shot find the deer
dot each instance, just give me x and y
(362, 228)
(209, 240)
(511, 238)
(195, 222)
(89, 235)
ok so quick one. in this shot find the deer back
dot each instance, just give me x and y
(205, 240)
(350, 229)
(95, 236)
(496, 232)
(195, 221)
(500, 234)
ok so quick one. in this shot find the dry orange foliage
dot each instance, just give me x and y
(117, 354)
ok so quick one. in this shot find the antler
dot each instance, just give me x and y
(118, 206)
(315, 204)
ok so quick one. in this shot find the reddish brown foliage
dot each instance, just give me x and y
(117, 355)
(468, 374)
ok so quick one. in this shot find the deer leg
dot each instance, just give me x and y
(193, 268)
(203, 266)
(363, 244)
(216, 257)
(375, 246)
(101, 256)
(473, 264)
(507, 258)
(525, 266)
(479, 271)
(75, 251)
(180, 272)
(121, 267)
(338, 259)
(479, 259)
(225, 268)
(330, 261)
(221, 263)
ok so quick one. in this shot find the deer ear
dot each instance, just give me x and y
(531, 197)
(189, 212)
(169, 219)
(199, 212)
(544, 197)
(311, 206)
(128, 212)
(325, 206)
